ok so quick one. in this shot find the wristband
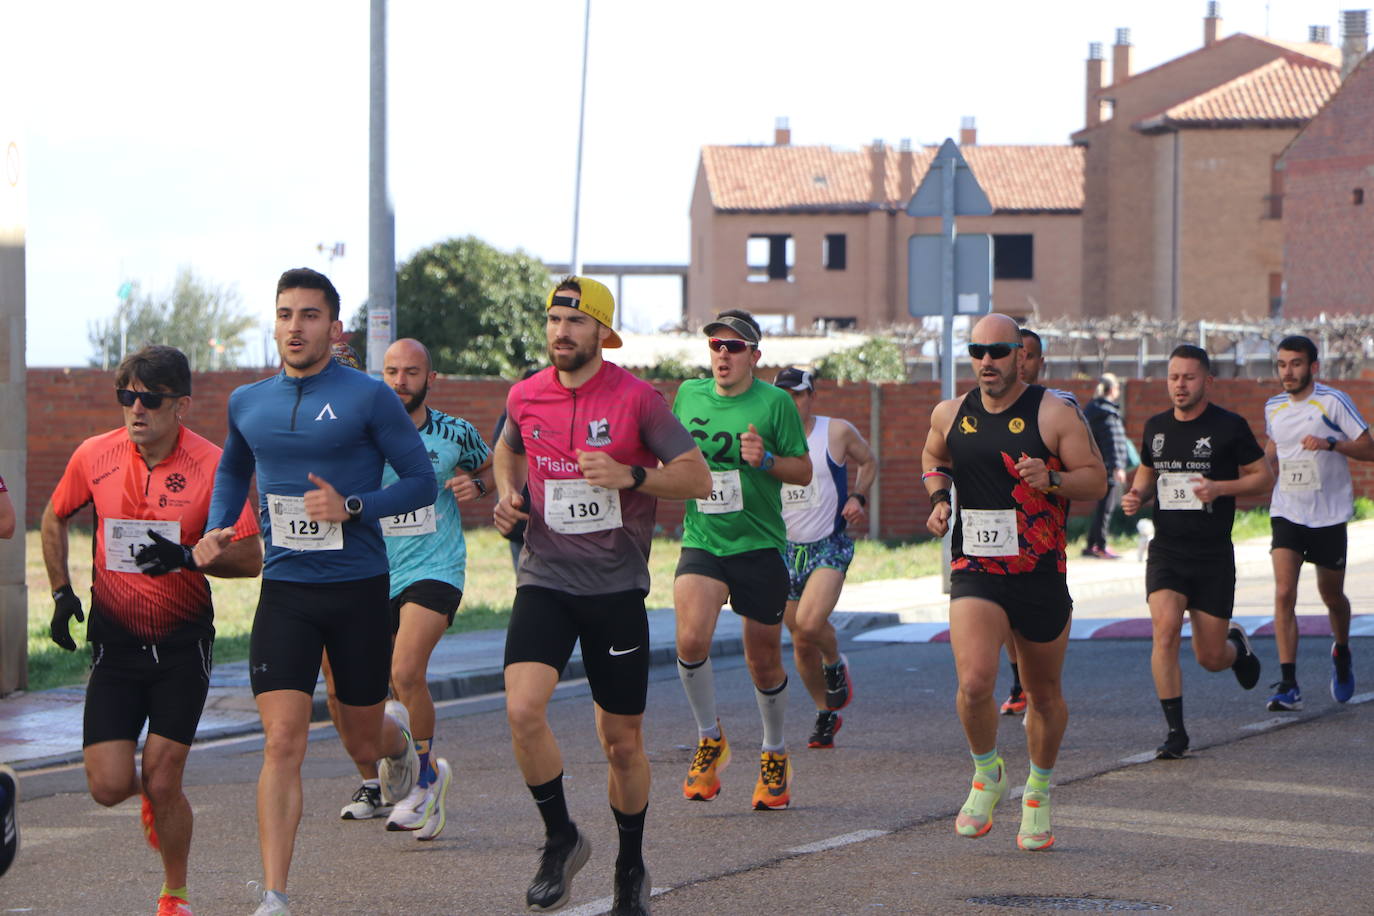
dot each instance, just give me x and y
(939, 472)
(939, 496)
(863, 500)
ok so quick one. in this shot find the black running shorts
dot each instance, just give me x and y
(164, 686)
(1037, 604)
(614, 629)
(296, 620)
(1324, 547)
(757, 579)
(1208, 583)
(431, 594)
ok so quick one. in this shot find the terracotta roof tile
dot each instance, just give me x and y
(1287, 91)
(790, 178)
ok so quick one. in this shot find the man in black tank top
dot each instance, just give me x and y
(1015, 457)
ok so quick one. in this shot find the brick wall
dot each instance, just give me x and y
(66, 406)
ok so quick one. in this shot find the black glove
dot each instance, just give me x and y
(163, 556)
(67, 607)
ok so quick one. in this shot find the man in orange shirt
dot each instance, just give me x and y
(150, 633)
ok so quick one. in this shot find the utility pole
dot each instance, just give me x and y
(14, 605)
(576, 261)
(381, 219)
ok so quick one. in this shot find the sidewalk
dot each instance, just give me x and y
(44, 728)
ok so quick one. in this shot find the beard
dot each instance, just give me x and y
(413, 402)
(996, 387)
(1299, 384)
(570, 362)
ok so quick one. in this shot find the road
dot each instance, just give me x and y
(1270, 814)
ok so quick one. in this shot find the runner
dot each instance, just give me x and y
(317, 434)
(819, 552)
(1313, 431)
(151, 634)
(7, 517)
(1015, 457)
(428, 557)
(732, 546)
(588, 438)
(1196, 458)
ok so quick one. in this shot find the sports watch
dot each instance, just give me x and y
(1055, 482)
(353, 505)
(639, 475)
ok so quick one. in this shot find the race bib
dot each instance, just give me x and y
(798, 497)
(1299, 475)
(125, 537)
(1175, 491)
(726, 495)
(409, 524)
(577, 507)
(989, 532)
(292, 529)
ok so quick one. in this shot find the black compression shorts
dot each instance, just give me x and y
(614, 629)
(1208, 583)
(1324, 547)
(296, 620)
(1037, 603)
(757, 579)
(431, 594)
(164, 686)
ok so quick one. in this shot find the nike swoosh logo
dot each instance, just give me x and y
(614, 651)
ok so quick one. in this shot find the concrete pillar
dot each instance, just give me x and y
(14, 605)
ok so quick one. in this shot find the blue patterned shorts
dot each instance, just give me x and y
(834, 552)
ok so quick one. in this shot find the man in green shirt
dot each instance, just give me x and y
(732, 542)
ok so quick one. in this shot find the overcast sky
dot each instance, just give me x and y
(232, 138)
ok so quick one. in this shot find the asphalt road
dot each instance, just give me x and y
(1269, 814)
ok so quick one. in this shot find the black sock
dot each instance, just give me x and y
(1173, 713)
(631, 838)
(1288, 673)
(1341, 651)
(553, 808)
(1015, 678)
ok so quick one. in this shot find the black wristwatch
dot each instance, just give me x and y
(863, 500)
(639, 474)
(481, 487)
(1330, 443)
(1055, 482)
(353, 505)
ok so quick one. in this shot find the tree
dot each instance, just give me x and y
(480, 311)
(200, 319)
(876, 360)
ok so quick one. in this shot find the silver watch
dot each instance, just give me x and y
(353, 505)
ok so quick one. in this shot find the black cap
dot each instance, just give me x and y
(741, 327)
(794, 379)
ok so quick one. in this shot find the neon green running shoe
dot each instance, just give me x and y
(1035, 833)
(975, 818)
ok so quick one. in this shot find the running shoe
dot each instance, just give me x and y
(975, 818)
(632, 892)
(1015, 703)
(145, 817)
(1287, 699)
(838, 690)
(827, 723)
(552, 884)
(1342, 676)
(1247, 664)
(1175, 746)
(1035, 833)
(9, 817)
(773, 791)
(710, 760)
(414, 811)
(168, 905)
(270, 903)
(439, 816)
(398, 773)
(367, 803)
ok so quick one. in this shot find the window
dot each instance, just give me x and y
(845, 323)
(832, 251)
(769, 257)
(1013, 257)
(1357, 196)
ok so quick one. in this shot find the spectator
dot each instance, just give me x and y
(1104, 417)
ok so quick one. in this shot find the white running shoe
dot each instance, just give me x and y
(413, 811)
(271, 903)
(367, 803)
(439, 816)
(398, 773)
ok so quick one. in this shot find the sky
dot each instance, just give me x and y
(233, 138)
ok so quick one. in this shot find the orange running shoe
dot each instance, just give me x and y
(149, 831)
(773, 792)
(703, 778)
(168, 905)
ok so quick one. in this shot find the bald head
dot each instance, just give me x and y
(406, 367)
(410, 351)
(995, 348)
(995, 328)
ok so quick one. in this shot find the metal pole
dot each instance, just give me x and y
(14, 605)
(948, 231)
(381, 219)
(576, 261)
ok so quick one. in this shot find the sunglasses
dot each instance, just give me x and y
(151, 399)
(995, 350)
(728, 344)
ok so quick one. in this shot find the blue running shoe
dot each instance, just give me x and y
(1288, 698)
(1342, 676)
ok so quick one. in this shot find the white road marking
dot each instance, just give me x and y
(1255, 831)
(835, 842)
(1139, 758)
(603, 904)
(1360, 698)
(1245, 785)
(1268, 723)
(40, 836)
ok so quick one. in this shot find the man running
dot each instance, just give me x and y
(318, 434)
(428, 557)
(818, 550)
(588, 439)
(151, 634)
(1016, 457)
(732, 545)
(1196, 458)
(1313, 431)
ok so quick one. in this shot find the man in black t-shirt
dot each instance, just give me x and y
(1195, 459)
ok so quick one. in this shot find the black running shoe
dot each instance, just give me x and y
(1247, 664)
(827, 723)
(9, 817)
(1175, 746)
(631, 892)
(838, 692)
(552, 884)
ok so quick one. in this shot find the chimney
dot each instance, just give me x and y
(1121, 57)
(1355, 39)
(877, 155)
(1212, 24)
(1093, 115)
(968, 131)
(1319, 34)
(906, 172)
(782, 134)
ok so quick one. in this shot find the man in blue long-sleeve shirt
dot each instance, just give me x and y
(318, 434)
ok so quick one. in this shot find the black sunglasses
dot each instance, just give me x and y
(151, 399)
(995, 350)
(728, 344)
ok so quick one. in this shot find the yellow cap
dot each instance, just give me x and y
(597, 301)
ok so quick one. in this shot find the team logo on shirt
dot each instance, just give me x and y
(1016, 425)
(1157, 444)
(599, 433)
(175, 482)
(1202, 448)
(327, 411)
(968, 425)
